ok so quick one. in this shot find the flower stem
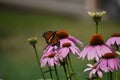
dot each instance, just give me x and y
(50, 72)
(108, 75)
(111, 78)
(117, 49)
(116, 75)
(68, 68)
(56, 72)
(96, 22)
(38, 61)
(65, 71)
(71, 66)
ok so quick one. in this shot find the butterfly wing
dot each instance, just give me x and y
(48, 36)
(55, 40)
(51, 37)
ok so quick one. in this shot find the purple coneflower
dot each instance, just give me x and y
(93, 70)
(49, 58)
(67, 46)
(95, 49)
(62, 34)
(109, 62)
(114, 40)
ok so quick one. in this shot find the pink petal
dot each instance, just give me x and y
(99, 51)
(77, 50)
(104, 49)
(111, 64)
(103, 65)
(91, 54)
(97, 58)
(90, 74)
(64, 52)
(72, 50)
(84, 52)
(44, 62)
(109, 42)
(94, 71)
(51, 62)
(99, 74)
(90, 65)
(75, 40)
(87, 69)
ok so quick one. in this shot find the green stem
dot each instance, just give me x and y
(50, 72)
(111, 77)
(56, 72)
(116, 75)
(38, 61)
(117, 49)
(108, 75)
(71, 66)
(65, 72)
(68, 68)
(96, 27)
(70, 63)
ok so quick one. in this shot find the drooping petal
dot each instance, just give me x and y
(44, 62)
(90, 74)
(104, 65)
(115, 63)
(94, 71)
(111, 64)
(118, 41)
(51, 62)
(97, 58)
(63, 52)
(84, 52)
(87, 69)
(72, 50)
(91, 54)
(78, 42)
(90, 65)
(100, 74)
(77, 50)
(109, 42)
(99, 51)
(105, 49)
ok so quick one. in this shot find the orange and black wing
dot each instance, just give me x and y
(51, 38)
(55, 40)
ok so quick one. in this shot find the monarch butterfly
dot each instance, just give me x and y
(51, 38)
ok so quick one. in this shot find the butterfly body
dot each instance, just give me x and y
(51, 38)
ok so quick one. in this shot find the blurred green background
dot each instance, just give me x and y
(17, 58)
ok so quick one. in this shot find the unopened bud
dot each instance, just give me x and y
(32, 40)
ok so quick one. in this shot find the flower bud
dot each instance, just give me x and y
(32, 40)
(97, 15)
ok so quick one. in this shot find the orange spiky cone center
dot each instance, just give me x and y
(96, 39)
(62, 34)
